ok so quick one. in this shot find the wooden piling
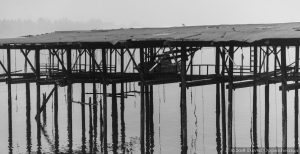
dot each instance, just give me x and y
(69, 99)
(83, 138)
(223, 98)
(95, 117)
(296, 105)
(142, 109)
(122, 105)
(56, 141)
(28, 117)
(95, 112)
(104, 100)
(267, 105)
(151, 119)
(38, 98)
(284, 98)
(183, 110)
(114, 115)
(147, 119)
(230, 92)
(254, 112)
(90, 126)
(9, 101)
(217, 71)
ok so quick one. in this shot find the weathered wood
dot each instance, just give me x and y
(56, 136)
(284, 98)
(296, 104)
(224, 135)
(45, 101)
(230, 100)
(114, 115)
(183, 110)
(254, 105)
(69, 101)
(267, 106)
(217, 71)
(142, 119)
(83, 138)
(104, 100)
(28, 118)
(9, 101)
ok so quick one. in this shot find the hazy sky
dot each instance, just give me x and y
(149, 13)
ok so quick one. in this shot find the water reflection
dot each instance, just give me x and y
(90, 145)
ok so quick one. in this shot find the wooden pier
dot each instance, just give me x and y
(152, 56)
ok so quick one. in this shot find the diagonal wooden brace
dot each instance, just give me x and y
(45, 103)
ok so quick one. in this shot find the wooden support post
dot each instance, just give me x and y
(151, 120)
(122, 105)
(38, 97)
(104, 100)
(95, 118)
(9, 101)
(95, 112)
(183, 111)
(147, 110)
(28, 117)
(284, 98)
(90, 125)
(230, 92)
(114, 115)
(142, 109)
(69, 99)
(56, 142)
(296, 105)
(83, 138)
(267, 106)
(217, 71)
(224, 135)
(254, 113)
(142, 119)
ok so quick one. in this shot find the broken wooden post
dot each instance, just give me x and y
(44, 110)
(284, 98)
(296, 105)
(183, 111)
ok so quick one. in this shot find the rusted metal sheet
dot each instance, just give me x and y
(213, 33)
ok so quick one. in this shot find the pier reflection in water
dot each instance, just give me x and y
(82, 131)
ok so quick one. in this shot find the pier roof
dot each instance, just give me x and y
(248, 33)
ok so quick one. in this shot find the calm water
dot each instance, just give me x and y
(201, 120)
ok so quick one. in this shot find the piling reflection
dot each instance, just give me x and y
(28, 121)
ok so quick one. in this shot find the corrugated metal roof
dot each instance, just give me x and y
(216, 33)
